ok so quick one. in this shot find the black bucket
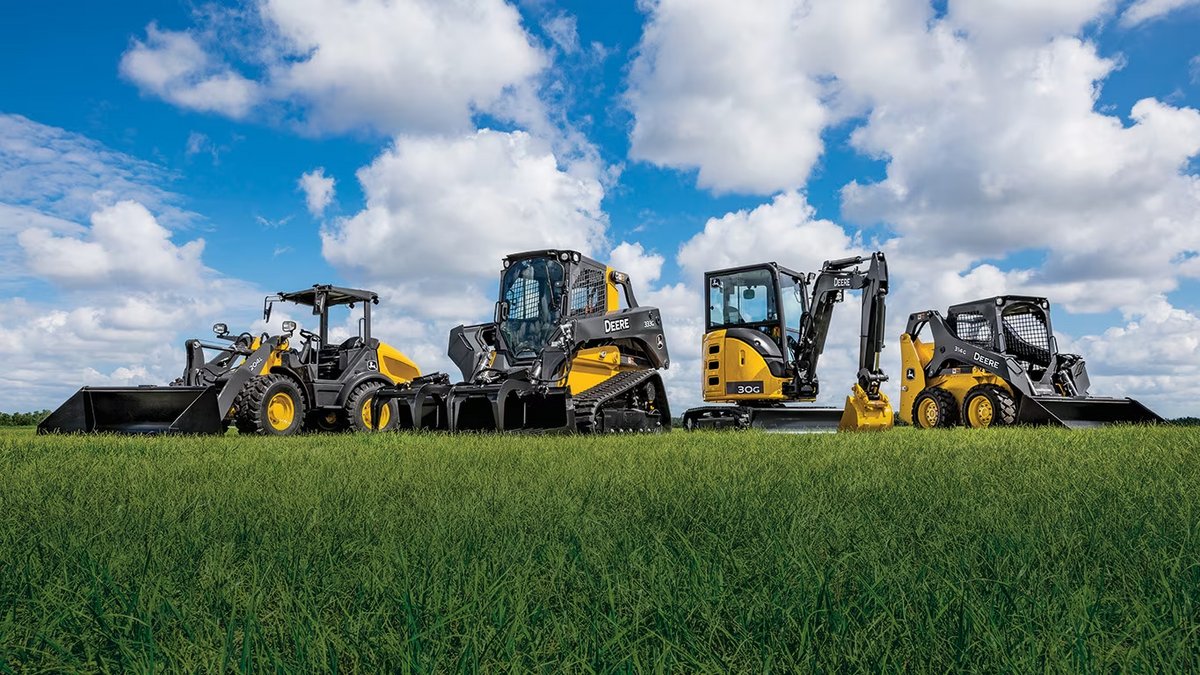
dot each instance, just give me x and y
(420, 408)
(138, 410)
(1083, 411)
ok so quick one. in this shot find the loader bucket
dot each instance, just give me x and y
(138, 410)
(1083, 411)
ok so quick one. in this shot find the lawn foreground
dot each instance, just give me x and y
(1020, 549)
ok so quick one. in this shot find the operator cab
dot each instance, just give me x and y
(1014, 325)
(330, 360)
(540, 291)
(753, 298)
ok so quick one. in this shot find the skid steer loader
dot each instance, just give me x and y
(262, 384)
(561, 355)
(995, 362)
(756, 360)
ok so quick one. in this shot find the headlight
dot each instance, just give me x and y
(289, 326)
(220, 329)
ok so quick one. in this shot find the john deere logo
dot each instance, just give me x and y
(611, 325)
(371, 365)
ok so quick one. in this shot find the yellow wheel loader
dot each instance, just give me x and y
(562, 354)
(766, 330)
(263, 385)
(995, 362)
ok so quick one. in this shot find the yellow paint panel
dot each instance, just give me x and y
(593, 366)
(725, 360)
(395, 365)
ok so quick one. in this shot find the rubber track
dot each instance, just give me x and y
(589, 402)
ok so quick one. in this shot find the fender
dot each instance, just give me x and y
(352, 383)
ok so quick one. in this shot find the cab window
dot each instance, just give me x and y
(741, 298)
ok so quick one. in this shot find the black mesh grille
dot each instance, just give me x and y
(589, 295)
(1026, 335)
(524, 299)
(974, 328)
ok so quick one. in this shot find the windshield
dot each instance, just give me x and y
(742, 298)
(532, 292)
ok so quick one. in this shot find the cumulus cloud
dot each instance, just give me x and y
(642, 266)
(318, 190)
(718, 87)
(173, 66)
(436, 207)
(409, 65)
(125, 245)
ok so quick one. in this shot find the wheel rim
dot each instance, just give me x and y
(980, 412)
(385, 415)
(928, 413)
(281, 411)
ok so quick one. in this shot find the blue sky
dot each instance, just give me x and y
(989, 147)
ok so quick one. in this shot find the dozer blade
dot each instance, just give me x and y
(137, 410)
(1083, 411)
(797, 420)
(511, 405)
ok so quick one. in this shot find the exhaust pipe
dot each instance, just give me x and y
(138, 410)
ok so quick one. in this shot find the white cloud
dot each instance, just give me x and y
(389, 66)
(64, 174)
(563, 31)
(442, 208)
(108, 303)
(719, 87)
(785, 231)
(642, 267)
(1142, 11)
(173, 66)
(125, 245)
(318, 190)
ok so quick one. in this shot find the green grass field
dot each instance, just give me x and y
(1013, 550)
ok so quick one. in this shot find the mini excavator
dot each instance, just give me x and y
(561, 355)
(756, 361)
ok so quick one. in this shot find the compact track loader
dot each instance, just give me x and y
(561, 355)
(756, 362)
(995, 362)
(261, 384)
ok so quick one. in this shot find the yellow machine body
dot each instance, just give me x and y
(915, 355)
(863, 414)
(735, 373)
(395, 365)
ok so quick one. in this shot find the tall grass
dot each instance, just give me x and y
(1013, 550)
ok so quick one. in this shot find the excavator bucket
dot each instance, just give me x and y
(138, 410)
(863, 413)
(1083, 411)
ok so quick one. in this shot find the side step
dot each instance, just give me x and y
(137, 410)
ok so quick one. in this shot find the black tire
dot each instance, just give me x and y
(1002, 409)
(357, 409)
(255, 414)
(934, 408)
